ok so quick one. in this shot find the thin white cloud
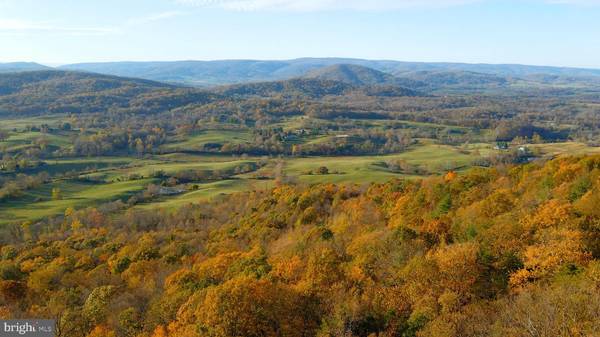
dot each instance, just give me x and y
(20, 27)
(321, 5)
(25, 27)
(154, 17)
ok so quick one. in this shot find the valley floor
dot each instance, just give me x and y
(99, 180)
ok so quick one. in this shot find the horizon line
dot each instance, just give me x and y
(60, 64)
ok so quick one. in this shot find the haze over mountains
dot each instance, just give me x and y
(21, 66)
(209, 73)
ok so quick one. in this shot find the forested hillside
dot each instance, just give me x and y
(52, 91)
(507, 251)
(288, 89)
(458, 80)
(352, 74)
(313, 88)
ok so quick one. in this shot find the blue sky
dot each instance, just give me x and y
(541, 32)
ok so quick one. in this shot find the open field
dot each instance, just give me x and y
(23, 122)
(91, 181)
(365, 169)
(568, 148)
(26, 139)
(147, 168)
(207, 191)
(197, 141)
(38, 203)
(90, 164)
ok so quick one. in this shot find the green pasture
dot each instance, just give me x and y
(22, 140)
(197, 140)
(364, 169)
(38, 203)
(87, 164)
(567, 148)
(24, 122)
(206, 192)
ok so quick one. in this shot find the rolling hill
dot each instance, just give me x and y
(311, 88)
(57, 91)
(52, 91)
(21, 66)
(352, 74)
(461, 80)
(362, 76)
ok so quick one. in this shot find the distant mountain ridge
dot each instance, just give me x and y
(21, 66)
(212, 73)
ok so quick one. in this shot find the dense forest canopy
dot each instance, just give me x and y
(500, 252)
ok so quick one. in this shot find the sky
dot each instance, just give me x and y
(537, 32)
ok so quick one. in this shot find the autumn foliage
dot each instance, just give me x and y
(510, 251)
